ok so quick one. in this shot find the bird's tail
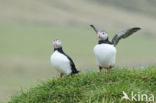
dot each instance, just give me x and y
(75, 72)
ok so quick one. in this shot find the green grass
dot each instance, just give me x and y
(25, 53)
(28, 26)
(92, 87)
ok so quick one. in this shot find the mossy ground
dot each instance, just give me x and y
(92, 87)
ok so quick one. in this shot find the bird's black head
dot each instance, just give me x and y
(101, 35)
(57, 43)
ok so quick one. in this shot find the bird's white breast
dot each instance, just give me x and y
(105, 54)
(61, 63)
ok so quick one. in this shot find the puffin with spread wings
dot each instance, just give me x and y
(105, 50)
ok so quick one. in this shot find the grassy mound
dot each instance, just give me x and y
(92, 87)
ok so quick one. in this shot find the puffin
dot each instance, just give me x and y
(61, 61)
(105, 51)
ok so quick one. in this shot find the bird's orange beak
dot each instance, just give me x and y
(54, 45)
(98, 36)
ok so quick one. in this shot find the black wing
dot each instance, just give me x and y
(95, 29)
(124, 34)
(74, 70)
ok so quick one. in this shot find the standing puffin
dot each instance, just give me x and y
(105, 50)
(62, 62)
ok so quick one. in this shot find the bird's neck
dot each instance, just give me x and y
(59, 49)
(104, 41)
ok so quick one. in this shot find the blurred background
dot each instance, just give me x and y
(27, 28)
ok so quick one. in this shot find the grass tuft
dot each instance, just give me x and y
(92, 87)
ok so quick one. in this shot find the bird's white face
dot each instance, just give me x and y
(102, 36)
(57, 43)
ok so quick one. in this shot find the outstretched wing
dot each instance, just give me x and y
(124, 34)
(95, 29)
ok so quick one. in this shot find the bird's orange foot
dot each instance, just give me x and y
(58, 78)
(100, 70)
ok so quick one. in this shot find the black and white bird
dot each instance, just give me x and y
(62, 62)
(105, 50)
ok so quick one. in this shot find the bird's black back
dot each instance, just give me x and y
(73, 68)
